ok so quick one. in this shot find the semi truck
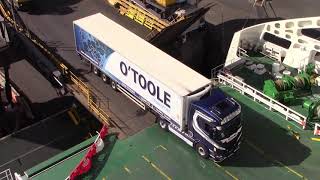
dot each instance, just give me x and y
(183, 101)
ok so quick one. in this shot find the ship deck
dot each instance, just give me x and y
(269, 151)
(257, 81)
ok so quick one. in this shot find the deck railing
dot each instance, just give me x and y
(6, 175)
(271, 104)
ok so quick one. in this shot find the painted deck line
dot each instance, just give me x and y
(161, 146)
(156, 168)
(269, 157)
(127, 169)
(227, 172)
(315, 139)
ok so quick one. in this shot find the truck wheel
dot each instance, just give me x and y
(105, 78)
(163, 124)
(114, 85)
(95, 70)
(202, 150)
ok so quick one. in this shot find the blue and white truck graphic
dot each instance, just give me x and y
(184, 102)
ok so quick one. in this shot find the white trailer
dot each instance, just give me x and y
(160, 83)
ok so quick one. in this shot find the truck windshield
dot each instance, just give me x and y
(219, 133)
(228, 129)
(222, 105)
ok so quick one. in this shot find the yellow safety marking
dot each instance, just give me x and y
(156, 168)
(294, 133)
(73, 118)
(227, 172)
(315, 139)
(273, 159)
(127, 169)
(161, 146)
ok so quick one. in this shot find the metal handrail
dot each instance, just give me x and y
(6, 175)
(83, 87)
(272, 104)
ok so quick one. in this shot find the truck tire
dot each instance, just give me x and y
(163, 124)
(113, 85)
(105, 78)
(202, 150)
(96, 71)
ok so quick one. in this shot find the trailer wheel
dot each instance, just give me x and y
(114, 85)
(105, 78)
(202, 150)
(96, 71)
(163, 124)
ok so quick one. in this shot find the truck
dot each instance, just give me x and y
(183, 101)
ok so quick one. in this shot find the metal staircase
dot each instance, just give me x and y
(141, 15)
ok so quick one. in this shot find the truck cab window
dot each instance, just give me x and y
(205, 126)
(222, 105)
(201, 122)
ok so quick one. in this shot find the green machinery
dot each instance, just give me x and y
(313, 107)
(288, 87)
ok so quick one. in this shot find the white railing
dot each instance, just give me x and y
(242, 52)
(216, 70)
(258, 96)
(6, 175)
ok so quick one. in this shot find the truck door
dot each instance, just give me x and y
(204, 125)
(202, 129)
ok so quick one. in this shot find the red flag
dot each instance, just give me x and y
(83, 167)
(92, 151)
(76, 172)
(85, 164)
(103, 131)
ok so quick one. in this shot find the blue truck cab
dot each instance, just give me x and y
(215, 125)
